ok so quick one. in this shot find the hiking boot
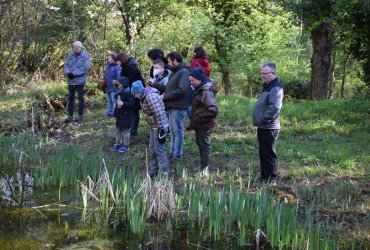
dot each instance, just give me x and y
(79, 118)
(123, 149)
(68, 119)
(152, 174)
(115, 147)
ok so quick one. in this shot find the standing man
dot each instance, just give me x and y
(266, 117)
(203, 117)
(176, 100)
(76, 67)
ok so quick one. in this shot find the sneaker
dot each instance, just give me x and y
(204, 172)
(79, 118)
(68, 119)
(115, 147)
(123, 149)
(273, 183)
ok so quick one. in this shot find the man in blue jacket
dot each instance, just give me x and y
(76, 67)
(266, 117)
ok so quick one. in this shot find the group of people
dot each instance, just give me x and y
(170, 92)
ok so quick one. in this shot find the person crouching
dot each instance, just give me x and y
(124, 115)
(155, 114)
(203, 116)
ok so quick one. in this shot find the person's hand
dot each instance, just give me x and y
(119, 103)
(70, 76)
(161, 97)
(149, 80)
(114, 118)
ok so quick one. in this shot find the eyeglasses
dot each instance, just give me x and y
(266, 73)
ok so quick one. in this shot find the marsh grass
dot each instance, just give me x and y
(323, 159)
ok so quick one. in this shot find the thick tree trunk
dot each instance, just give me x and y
(320, 61)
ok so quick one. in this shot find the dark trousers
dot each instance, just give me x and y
(72, 89)
(203, 140)
(267, 149)
(135, 123)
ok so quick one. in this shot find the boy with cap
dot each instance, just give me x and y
(155, 114)
(124, 114)
(203, 116)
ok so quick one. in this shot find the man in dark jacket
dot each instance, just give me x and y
(131, 70)
(266, 117)
(203, 116)
(176, 100)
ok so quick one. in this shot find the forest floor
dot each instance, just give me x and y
(323, 147)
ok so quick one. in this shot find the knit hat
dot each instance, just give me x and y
(78, 44)
(137, 87)
(197, 73)
(124, 81)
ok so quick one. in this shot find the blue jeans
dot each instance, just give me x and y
(111, 102)
(157, 151)
(188, 111)
(176, 119)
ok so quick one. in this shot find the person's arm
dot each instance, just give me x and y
(86, 66)
(181, 89)
(208, 101)
(118, 72)
(275, 102)
(159, 86)
(154, 104)
(193, 64)
(67, 70)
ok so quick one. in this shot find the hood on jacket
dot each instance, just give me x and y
(132, 61)
(182, 65)
(207, 86)
(147, 91)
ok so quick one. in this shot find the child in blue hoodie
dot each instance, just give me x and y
(124, 115)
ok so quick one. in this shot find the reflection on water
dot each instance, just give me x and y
(17, 188)
(34, 218)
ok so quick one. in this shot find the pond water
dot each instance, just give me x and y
(34, 218)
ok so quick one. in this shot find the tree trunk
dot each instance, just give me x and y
(332, 76)
(320, 61)
(223, 63)
(226, 84)
(344, 74)
(125, 21)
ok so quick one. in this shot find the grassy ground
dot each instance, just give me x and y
(323, 149)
